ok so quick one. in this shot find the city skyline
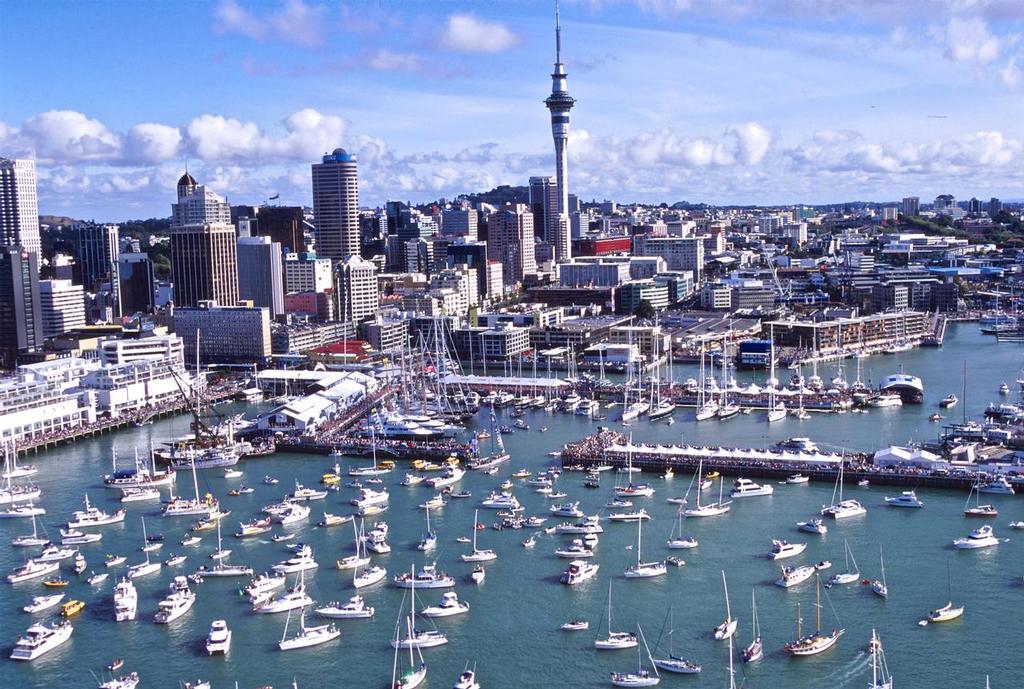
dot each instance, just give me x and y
(773, 102)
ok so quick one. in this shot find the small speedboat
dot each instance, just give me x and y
(270, 481)
(797, 479)
(815, 526)
(96, 579)
(575, 626)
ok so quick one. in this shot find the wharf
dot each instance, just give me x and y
(106, 425)
(391, 449)
(607, 447)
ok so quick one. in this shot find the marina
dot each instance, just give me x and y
(523, 582)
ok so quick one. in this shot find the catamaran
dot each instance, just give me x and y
(841, 509)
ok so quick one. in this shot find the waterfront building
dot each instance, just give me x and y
(299, 338)
(336, 205)
(20, 309)
(19, 205)
(355, 288)
(260, 275)
(62, 307)
(204, 264)
(228, 334)
(835, 335)
(35, 403)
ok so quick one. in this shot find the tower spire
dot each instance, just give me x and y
(558, 35)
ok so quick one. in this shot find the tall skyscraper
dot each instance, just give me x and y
(284, 225)
(544, 202)
(62, 306)
(19, 205)
(911, 206)
(336, 205)
(21, 322)
(204, 264)
(260, 274)
(135, 273)
(198, 205)
(355, 285)
(560, 103)
(97, 248)
(510, 240)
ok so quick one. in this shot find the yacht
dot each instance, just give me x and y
(981, 537)
(909, 388)
(139, 494)
(449, 605)
(815, 642)
(578, 571)
(850, 575)
(299, 562)
(32, 570)
(644, 570)
(885, 400)
(40, 639)
(634, 411)
(368, 577)
(218, 641)
(54, 553)
(264, 583)
(634, 490)
(294, 597)
(292, 514)
(569, 509)
(996, 486)
(355, 608)
(576, 550)
(478, 555)
(587, 525)
(427, 578)
(745, 488)
(728, 626)
(791, 576)
(907, 498)
(40, 603)
(842, 509)
(307, 636)
(782, 549)
(94, 516)
(254, 527)
(177, 603)
(948, 401)
(815, 526)
(304, 494)
(500, 501)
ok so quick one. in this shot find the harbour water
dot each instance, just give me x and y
(511, 633)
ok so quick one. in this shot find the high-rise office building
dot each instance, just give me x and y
(62, 307)
(19, 205)
(336, 205)
(260, 274)
(96, 251)
(204, 264)
(284, 225)
(995, 207)
(549, 223)
(305, 272)
(510, 240)
(198, 205)
(560, 103)
(471, 255)
(135, 273)
(355, 288)
(459, 222)
(20, 314)
(911, 206)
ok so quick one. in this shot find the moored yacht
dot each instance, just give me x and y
(307, 636)
(218, 641)
(982, 537)
(997, 486)
(907, 498)
(355, 608)
(578, 571)
(427, 578)
(40, 639)
(449, 605)
(94, 516)
(745, 488)
(791, 576)
(782, 549)
(177, 603)
(126, 601)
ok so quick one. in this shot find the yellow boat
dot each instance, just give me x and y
(234, 492)
(418, 464)
(506, 485)
(431, 466)
(55, 583)
(386, 464)
(204, 525)
(522, 473)
(452, 461)
(72, 607)
(330, 479)
(712, 475)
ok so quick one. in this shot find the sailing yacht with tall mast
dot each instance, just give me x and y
(726, 409)
(642, 677)
(880, 587)
(842, 509)
(707, 407)
(147, 567)
(755, 651)
(478, 555)
(207, 506)
(710, 510)
(851, 574)
(674, 663)
(776, 409)
(307, 636)
(728, 627)
(415, 674)
(948, 612)
(418, 638)
(644, 570)
(815, 642)
(614, 640)
(881, 678)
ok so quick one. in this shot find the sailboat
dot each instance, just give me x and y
(222, 568)
(978, 510)
(680, 542)
(726, 409)
(948, 612)
(478, 555)
(841, 509)
(415, 674)
(880, 676)
(728, 627)
(879, 587)
(429, 540)
(713, 509)
(642, 677)
(674, 663)
(660, 408)
(755, 651)
(776, 410)
(307, 636)
(147, 567)
(183, 507)
(30, 541)
(850, 575)
(815, 642)
(416, 638)
(614, 640)
(360, 559)
(644, 570)
(707, 407)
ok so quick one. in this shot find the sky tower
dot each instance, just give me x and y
(560, 103)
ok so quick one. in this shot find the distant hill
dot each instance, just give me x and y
(57, 220)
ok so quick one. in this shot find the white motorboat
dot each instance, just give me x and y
(588, 525)
(97, 579)
(355, 608)
(466, 680)
(139, 494)
(94, 516)
(578, 571)
(478, 574)
(177, 603)
(885, 400)
(307, 636)
(791, 576)
(982, 537)
(500, 501)
(797, 479)
(32, 570)
(295, 512)
(299, 562)
(745, 488)
(41, 603)
(264, 583)
(427, 578)
(54, 553)
(815, 526)
(996, 486)
(575, 626)
(575, 550)
(75, 537)
(632, 516)
(218, 641)
(40, 639)
(569, 509)
(368, 577)
(782, 549)
(304, 494)
(907, 498)
(728, 626)
(448, 606)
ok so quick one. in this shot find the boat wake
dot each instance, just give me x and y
(852, 670)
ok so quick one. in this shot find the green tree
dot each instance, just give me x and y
(645, 310)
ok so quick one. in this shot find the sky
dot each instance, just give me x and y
(720, 101)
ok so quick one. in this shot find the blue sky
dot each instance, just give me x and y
(746, 101)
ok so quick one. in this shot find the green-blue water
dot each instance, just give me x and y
(511, 632)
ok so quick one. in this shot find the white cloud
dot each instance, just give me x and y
(753, 141)
(150, 142)
(296, 22)
(308, 134)
(969, 40)
(390, 61)
(467, 34)
(1011, 74)
(66, 135)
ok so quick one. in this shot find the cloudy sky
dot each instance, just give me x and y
(724, 101)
